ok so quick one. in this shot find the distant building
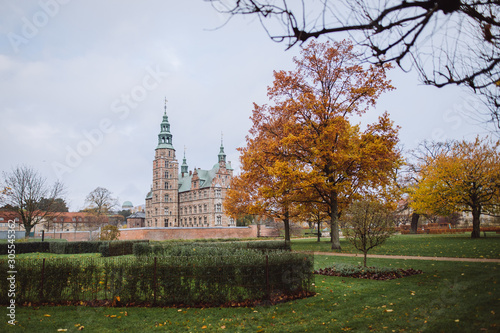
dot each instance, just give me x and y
(136, 220)
(127, 205)
(66, 221)
(187, 198)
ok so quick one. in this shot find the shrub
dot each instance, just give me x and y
(109, 232)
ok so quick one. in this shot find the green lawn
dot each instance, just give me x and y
(459, 246)
(448, 297)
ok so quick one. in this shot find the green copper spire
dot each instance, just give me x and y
(184, 166)
(222, 154)
(165, 137)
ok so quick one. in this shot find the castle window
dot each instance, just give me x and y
(231, 221)
(190, 210)
(205, 219)
(205, 208)
(217, 193)
(194, 209)
(166, 185)
(219, 220)
(218, 208)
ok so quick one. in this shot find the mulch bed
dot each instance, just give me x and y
(371, 276)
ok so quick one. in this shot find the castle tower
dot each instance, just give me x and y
(162, 202)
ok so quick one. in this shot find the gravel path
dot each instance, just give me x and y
(408, 257)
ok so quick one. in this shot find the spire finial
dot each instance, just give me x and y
(166, 104)
(184, 151)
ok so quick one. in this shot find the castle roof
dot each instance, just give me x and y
(205, 177)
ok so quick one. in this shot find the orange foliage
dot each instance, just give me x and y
(303, 148)
(467, 178)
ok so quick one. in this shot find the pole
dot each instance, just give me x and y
(43, 276)
(154, 283)
(267, 278)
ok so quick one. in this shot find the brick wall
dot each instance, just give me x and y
(169, 233)
(187, 233)
(163, 233)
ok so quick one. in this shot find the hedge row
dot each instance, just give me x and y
(119, 248)
(195, 248)
(106, 248)
(193, 280)
(25, 247)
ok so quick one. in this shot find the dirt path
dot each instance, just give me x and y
(407, 257)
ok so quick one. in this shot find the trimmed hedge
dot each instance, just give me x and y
(106, 248)
(75, 247)
(189, 280)
(199, 248)
(26, 247)
(119, 248)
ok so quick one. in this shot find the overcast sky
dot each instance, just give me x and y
(82, 88)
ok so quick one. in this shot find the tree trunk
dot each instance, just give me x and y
(27, 231)
(476, 222)
(364, 258)
(334, 226)
(414, 223)
(319, 231)
(286, 221)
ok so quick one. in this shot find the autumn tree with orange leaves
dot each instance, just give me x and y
(304, 145)
(466, 178)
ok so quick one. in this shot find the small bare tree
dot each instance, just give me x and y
(101, 201)
(368, 224)
(24, 189)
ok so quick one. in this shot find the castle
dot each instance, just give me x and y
(186, 199)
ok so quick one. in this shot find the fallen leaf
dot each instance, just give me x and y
(46, 315)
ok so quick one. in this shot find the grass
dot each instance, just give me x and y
(458, 246)
(22, 240)
(448, 297)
